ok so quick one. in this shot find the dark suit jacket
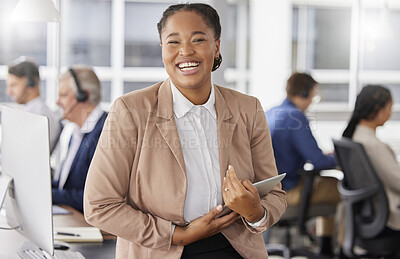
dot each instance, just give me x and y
(72, 193)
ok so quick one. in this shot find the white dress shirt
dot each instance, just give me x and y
(38, 106)
(198, 133)
(76, 139)
(197, 129)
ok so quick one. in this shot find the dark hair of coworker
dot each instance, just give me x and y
(22, 67)
(369, 102)
(209, 15)
(300, 84)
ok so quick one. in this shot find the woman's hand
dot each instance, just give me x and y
(242, 197)
(203, 227)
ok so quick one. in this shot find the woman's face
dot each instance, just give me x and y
(385, 113)
(188, 50)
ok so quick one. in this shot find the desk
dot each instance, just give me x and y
(11, 239)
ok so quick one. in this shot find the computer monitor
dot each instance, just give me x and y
(25, 155)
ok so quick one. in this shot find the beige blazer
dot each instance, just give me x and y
(136, 185)
(385, 163)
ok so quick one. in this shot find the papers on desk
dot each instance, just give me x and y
(78, 234)
(57, 210)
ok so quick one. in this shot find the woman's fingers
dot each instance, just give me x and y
(232, 179)
(241, 196)
(216, 210)
(208, 225)
(213, 213)
(250, 187)
(228, 220)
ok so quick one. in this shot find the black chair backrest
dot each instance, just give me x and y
(371, 211)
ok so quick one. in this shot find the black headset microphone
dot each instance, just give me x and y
(305, 93)
(30, 81)
(81, 95)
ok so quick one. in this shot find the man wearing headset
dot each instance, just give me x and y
(79, 97)
(23, 86)
(294, 145)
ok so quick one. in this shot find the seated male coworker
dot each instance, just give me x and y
(294, 145)
(23, 81)
(79, 97)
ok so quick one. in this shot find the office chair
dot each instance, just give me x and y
(297, 216)
(365, 201)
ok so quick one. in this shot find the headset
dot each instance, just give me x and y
(31, 82)
(29, 72)
(310, 85)
(81, 95)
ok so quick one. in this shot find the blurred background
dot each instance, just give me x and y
(344, 44)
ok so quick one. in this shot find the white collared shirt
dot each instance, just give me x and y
(197, 129)
(198, 133)
(76, 139)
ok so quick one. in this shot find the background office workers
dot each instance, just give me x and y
(372, 109)
(79, 97)
(294, 145)
(160, 175)
(23, 86)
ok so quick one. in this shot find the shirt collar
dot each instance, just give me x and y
(182, 105)
(92, 120)
(289, 102)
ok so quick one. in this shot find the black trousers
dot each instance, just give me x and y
(214, 247)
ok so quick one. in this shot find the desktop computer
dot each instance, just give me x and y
(25, 158)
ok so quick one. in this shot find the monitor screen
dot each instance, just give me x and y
(25, 155)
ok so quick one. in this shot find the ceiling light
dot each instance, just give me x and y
(35, 11)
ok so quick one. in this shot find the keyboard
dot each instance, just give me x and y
(67, 254)
(30, 251)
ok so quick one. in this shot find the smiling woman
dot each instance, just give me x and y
(189, 48)
(180, 150)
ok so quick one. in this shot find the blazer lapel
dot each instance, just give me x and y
(168, 128)
(225, 130)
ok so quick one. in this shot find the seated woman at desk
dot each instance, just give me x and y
(372, 109)
(160, 174)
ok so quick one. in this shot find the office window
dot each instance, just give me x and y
(334, 93)
(381, 33)
(42, 89)
(142, 46)
(20, 38)
(322, 37)
(86, 32)
(91, 34)
(229, 55)
(295, 36)
(330, 38)
(395, 91)
(106, 91)
(236, 43)
(321, 40)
